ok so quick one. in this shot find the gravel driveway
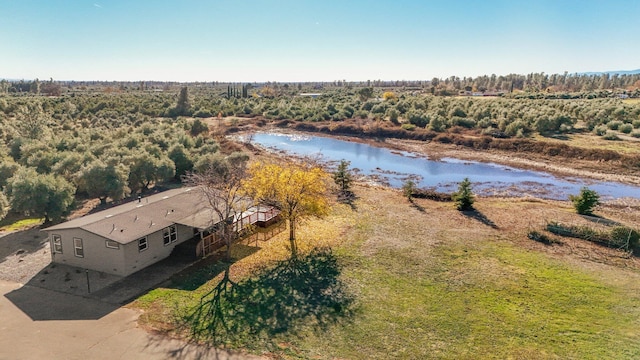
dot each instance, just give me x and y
(23, 254)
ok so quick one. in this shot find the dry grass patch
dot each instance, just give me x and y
(591, 141)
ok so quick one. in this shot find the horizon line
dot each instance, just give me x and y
(588, 73)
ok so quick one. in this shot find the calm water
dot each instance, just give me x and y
(394, 168)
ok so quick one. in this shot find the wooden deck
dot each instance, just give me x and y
(257, 223)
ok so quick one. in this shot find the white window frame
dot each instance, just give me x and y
(142, 247)
(78, 248)
(56, 244)
(170, 235)
(110, 244)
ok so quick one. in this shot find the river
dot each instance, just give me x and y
(393, 168)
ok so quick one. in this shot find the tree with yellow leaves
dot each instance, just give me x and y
(389, 95)
(298, 190)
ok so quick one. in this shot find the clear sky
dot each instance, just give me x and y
(313, 40)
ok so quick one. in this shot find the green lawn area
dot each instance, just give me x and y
(525, 306)
(12, 223)
(427, 283)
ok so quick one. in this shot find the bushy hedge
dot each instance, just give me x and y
(620, 237)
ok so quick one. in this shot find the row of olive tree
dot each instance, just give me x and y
(512, 117)
(53, 156)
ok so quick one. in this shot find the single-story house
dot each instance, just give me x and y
(129, 237)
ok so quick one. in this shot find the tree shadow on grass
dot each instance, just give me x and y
(204, 270)
(600, 220)
(416, 206)
(477, 215)
(349, 198)
(295, 294)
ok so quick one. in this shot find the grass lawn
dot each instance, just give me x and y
(14, 222)
(590, 141)
(430, 282)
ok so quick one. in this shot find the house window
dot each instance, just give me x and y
(142, 244)
(170, 235)
(77, 247)
(112, 244)
(56, 240)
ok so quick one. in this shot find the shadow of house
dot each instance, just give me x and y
(61, 292)
(45, 304)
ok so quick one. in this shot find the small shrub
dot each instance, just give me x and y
(625, 237)
(578, 232)
(432, 195)
(342, 176)
(408, 127)
(625, 128)
(393, 115)
(540, 237)
(636, 124)
(620, 237)
(198, 127)
(611, 136)
(636, 134)
(464, 197)
(586, 201)
(202, 113)
(614, 125)
(362, 114)
(408, 188)
(600, 130)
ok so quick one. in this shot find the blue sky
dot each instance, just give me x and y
(319, 40)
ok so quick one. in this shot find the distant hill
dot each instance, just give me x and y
(619, 72)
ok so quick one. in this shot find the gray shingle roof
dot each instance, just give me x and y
(128, 222)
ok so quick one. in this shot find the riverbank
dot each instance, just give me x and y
(575, 155)
(392, 161)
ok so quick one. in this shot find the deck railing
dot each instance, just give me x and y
(245, 229)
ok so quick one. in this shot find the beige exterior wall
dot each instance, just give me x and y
(156, 250)
(123, 261)
(96, 254)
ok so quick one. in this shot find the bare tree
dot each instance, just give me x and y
(221, 183)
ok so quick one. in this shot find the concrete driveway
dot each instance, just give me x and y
(111, 334)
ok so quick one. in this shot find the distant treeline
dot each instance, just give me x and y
(453, 85)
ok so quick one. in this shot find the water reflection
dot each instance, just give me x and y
(394, 168)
